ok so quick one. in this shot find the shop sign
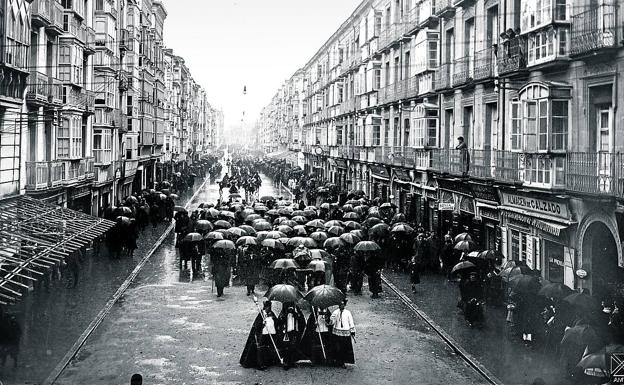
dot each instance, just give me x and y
(536, 223)
(444, 206)
(81, 191)
(467, 205)
(402, 175)
(537, 205)
(455, 185)
(341, 163)
(488, 213)
(484, 192)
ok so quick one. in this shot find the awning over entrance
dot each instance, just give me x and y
(289, 156)
(35, 236)
(341, 163)
(402, 175)
(379, 172)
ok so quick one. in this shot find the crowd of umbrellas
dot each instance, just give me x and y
(584, 331)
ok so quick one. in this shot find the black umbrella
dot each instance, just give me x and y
(324, 296)
(555, 290)
(203, 225)
(214, 235)
(221, 224)
(237, 232)
(350, 239)
(284, 264)
(524, 285)
(262, 226)
(582, 335)
(284, 293)
(333, 243)
(224, 245)
(333, 223)
(193, 237)
(248, 229)
(317, 223)
(335, 230)
(372, 221)
(463, 266)
(465, 246)
(300, 219)
(583, 302)
(491, 254)
(402, 228)
(511, 271)
(352, 215)
(352, 225)
(247, 240)
(463, 237)
(319, 236)
(273, 244)
(367, 246)
(380, 230)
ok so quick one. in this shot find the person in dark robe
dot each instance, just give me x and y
(259, 351)
(356, 273)
(292, 324)
(249, 269)
(341, 269)
(318, 329)
(372, 268)
(221, 270)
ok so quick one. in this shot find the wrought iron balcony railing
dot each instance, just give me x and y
(443, 77)
(594, 29)
(512, 56)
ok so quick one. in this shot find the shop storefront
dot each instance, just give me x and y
(379, 182)
(456, 208)
(341, 169)
(486, 213)
(80, 199)
(401, 180)
(537, 230)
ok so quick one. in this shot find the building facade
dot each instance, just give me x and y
(532, 88)
(83, 101)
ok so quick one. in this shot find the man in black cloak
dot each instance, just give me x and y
(318, 323)
(259, 350)
(292, 324)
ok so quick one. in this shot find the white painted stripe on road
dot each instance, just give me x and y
(56, 372)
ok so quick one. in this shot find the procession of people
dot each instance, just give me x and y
(298, 262)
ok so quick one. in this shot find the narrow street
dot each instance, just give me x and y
(175, 331)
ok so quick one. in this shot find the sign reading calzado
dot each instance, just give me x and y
(535, 204)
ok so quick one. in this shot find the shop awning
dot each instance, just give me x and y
(402, 175)
(289, 156)
(539, 221)
(341, 163)
(35, 236)
(379, 172)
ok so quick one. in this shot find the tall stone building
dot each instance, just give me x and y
(532, 88)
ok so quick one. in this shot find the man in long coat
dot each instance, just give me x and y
(259, 351)
(250, 266)
(221, 270)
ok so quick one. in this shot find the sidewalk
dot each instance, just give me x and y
(52, 320)
(506, 358)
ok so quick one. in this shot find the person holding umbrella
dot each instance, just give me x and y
(221, 268)
(250, 268)
(317, 334)
(292, 325)
(343, 330)
(260, 350)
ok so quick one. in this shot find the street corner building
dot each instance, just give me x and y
(93, 107)
(530, 85)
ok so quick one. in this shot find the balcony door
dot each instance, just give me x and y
(604, 125)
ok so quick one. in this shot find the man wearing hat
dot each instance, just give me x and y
(259, 351)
